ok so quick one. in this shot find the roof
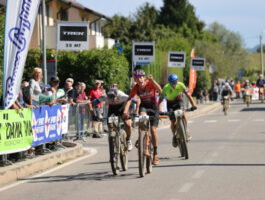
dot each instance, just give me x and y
(78, 5)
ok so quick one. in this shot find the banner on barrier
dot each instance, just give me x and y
(15, 131)
(46, 124)
(65, 111)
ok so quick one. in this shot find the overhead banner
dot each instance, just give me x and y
(46, 124)
(72, 36)
(176, 59)
(143, 53)
(198, 64)
(20, 20)
(15, 131)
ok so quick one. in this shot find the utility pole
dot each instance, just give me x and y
(261, 55)
(44, 43)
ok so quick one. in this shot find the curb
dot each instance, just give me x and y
(198, 112)
(26, 168)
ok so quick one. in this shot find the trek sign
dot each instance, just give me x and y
(176, 59)
(198, 64)
(72, 36)
(143, 52)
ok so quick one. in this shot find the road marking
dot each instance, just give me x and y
(186, 187)
(92, 150)
(210, 121)
(190, 122)
(198, 174)
(215, 154)
(234, 120)
(258, 120)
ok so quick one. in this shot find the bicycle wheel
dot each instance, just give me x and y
(183, 139)
(141, 154)
(114, 158)
(149, 159)
(123, 150)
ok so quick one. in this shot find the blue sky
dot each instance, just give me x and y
(244, 17)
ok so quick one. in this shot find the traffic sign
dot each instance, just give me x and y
(176, 59)
(198, 64)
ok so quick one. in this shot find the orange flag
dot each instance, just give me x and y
(193, 75)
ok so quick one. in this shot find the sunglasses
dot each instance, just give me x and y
(111, 96)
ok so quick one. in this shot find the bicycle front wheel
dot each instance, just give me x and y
(114, 155)
(141, 153)
(149, 158)
(123, 150)
(183, 140)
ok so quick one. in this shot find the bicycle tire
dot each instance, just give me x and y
(141, 154)
(123, 150)
(183, 139)
(149, 159)
(114, 158)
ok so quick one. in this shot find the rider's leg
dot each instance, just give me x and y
(128, 128)
(173, 126)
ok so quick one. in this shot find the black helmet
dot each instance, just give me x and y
(112, 91)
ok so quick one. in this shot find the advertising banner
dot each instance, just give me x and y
(193, 75)
(72, 36)
(20, 20)
(46, 124)
(143, 53)
(176, 59)
(65, 114)
(15, 131)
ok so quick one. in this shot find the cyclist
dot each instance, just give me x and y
(226, 91)
(145, 89)
(116, 100)
(173, 92)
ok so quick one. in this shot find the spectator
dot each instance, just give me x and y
(69, 92)
(35, 86)
(215, 90)
(94, 93)
(238, 89)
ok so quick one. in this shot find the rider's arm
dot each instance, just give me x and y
(190, 98)
(156, 85)
(133, 93)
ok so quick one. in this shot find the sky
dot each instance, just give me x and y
(241, 16)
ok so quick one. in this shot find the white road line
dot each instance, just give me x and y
(258, 120)
(234, 120)
(93, 152)
(198, 174)
(186, 187)
(210, 121)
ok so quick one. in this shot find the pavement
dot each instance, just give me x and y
(20, 170)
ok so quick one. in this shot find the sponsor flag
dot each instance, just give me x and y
(20, 20)
(193, 75)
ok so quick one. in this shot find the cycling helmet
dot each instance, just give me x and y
(112, 91)
(138, 73)
(173, 79)
(226, 84)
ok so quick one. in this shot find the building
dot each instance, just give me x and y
(68, 10)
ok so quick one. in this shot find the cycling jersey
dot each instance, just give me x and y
(260, 82)
(147, 94)
(173, 94)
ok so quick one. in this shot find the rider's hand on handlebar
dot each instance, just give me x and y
(125, 116)
(193, 108)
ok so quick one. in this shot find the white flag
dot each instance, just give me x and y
(20, 20)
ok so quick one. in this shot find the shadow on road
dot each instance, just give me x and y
(212, 165)
(252, 109)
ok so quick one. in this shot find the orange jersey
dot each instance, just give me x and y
(238, 87)
(147, 95)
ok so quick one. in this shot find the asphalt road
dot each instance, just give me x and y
(227, 161)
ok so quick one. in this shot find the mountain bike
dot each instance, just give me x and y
(247, 96)
(144, 145)
(225, 104)
(118, 148)
(261, 94)
(180, 134)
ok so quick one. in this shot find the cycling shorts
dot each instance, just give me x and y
(116, 110)
(174, 106)
(152, 111)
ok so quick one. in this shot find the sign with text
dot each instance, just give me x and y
(65, 118)
(15, 131)
(46, 124)
(143, 52)
(198, 64)
(176, 59)
(72, 36)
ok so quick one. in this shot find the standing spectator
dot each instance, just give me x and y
(81, 98)
(34, 86)
(69, 92)
(215, 91)
(238, 89)
(94, 93)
